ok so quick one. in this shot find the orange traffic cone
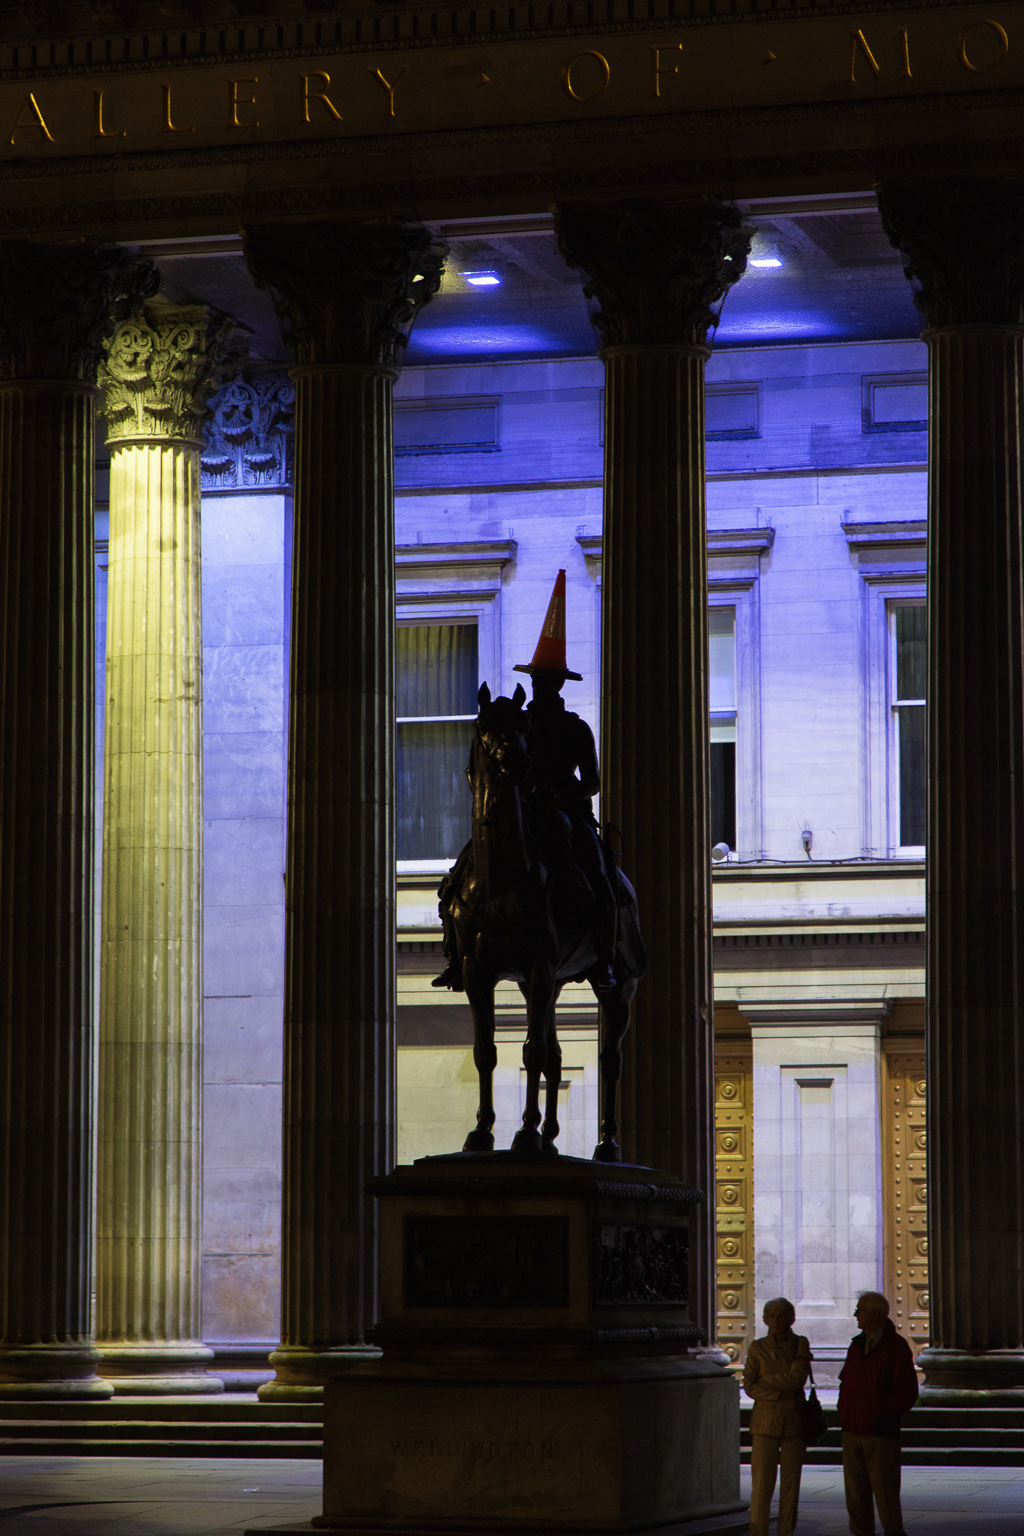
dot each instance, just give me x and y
(550, 653)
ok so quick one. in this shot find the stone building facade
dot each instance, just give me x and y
(342, 145)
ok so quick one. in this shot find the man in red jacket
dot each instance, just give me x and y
(877, 1385)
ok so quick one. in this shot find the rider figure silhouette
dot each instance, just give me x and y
(562, 778)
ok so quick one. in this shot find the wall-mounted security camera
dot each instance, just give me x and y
(807, 839)
(719, 852)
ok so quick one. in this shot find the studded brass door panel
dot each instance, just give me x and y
(734, 1179)
(906, 1221)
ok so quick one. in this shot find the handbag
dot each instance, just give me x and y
(813, 1422)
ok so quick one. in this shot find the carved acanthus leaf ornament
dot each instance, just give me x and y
(59, 304)
(659, 271)
(249, 432)
(346, 292)
(962, 243)
(161, 367)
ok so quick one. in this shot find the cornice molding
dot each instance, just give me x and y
(205, 31)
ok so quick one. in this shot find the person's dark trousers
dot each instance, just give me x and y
(871, 1468)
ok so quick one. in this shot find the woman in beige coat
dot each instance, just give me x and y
(776, 1369)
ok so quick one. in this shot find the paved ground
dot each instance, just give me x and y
(114, 1496)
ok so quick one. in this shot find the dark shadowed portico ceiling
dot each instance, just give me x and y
(821, 270)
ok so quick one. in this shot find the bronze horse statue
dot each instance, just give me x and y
(514, 919)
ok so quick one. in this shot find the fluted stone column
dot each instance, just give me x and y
(56, 304)
(346, 295)
(657, 271)
(964, 247)
(160, 366)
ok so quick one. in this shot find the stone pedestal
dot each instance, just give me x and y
(657, 271)
(962, 244)
(56, 304)
(159, 369)
(346, 295)
(535, 1375)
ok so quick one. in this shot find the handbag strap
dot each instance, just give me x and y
(810, 1369)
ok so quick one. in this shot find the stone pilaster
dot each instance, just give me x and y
(963, 246)
(346, 295)
(56, 305)
(159, 368)
(658, 272)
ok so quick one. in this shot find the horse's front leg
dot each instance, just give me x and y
(552, 1083)
(480, 992)
(540, 993)
(615, 1008)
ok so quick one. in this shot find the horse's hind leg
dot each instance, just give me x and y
(540, 996)
(480, 992)
(614, 1023)
(552, 1083)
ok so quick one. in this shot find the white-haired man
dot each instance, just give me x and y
(877, 1386)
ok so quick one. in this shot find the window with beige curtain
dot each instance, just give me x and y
(437, 686)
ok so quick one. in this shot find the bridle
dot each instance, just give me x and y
(494, 756)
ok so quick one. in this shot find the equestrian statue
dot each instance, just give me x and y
(536, 896)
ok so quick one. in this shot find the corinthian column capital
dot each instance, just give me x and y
(161, 367)
(962, 244)
(58, 303)
(656, 269)
(346, 292)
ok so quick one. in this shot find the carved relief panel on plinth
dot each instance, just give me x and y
(734, 1202)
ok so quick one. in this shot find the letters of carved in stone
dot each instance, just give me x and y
(248, 436)
(487, 1261)
(640, 1265)
(58, 303)
(160, 368)
(346, 293)
(659, 271)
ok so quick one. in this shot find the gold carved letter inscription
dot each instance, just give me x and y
(321, 95)
(389, 87)
(998, 35)
(604, 75)
(658, 68)
(858, 40)
(235, 101)
(99, 132)
(169, 125)
(37, 121)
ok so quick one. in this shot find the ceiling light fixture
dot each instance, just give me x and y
(765, 261)
(482, 279)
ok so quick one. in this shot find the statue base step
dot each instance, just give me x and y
(618, 1445)
(538, 1373)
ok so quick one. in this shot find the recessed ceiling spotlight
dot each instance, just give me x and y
(765, 261)
(483, 279)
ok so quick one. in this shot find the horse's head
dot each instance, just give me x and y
(499, 755)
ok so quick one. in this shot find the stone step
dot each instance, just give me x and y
(938, 1418)
(133, 1429)
(186, 1410)
(197, 1447)
(942, 1439)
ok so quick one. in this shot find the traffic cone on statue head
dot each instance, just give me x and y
(550, 653)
